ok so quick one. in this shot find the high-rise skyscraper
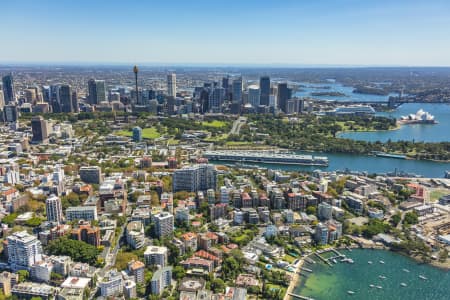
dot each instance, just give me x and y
(8, 88)
(163, 224)
(97, 91)
(284, 94)
(54, 209)
(2, 99)
(75, 107)
(237, 90)
(264, 86)
(39, 129)
(216, 99)
(65, 98)
(138, 96)
(254, 95)
(172, 85)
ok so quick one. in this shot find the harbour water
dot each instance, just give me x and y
(364, 163)
(307, 88)
(417, 132)
(334, 282)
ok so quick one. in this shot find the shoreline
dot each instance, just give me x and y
(294, 281)
(296, 278)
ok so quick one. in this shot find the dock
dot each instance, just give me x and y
(300, 296)
(323, 259)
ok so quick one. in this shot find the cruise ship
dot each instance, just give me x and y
(261, 157)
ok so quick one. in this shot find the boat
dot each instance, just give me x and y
(350, 292)
(351, 261)
(382, 277)
(334, 260)
(422, 277)
(371, 285)
(381, 262)
(406, 270)
(379, 287)
(403, 284)
(389, 155)
(370, 262)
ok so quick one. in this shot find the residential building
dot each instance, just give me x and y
(137, 269)
(112, 284)
(28, 290)
(91, 174)
(324, 211)
(53, 208)
(7, 281)
(195, 178)
(161, 279)
(155, 255)
(163, 224)
(137, 134)
(129, 289)
(87, 213)
(24, 250)
(135, 234)
(39, 128)
(86, 233)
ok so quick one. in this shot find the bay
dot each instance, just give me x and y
(327, 282)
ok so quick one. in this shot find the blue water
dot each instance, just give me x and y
(370, 164)
(337, 87)
(420, 133)
(333, 282)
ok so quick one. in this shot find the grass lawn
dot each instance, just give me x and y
(290, 259)
(436, 194)
(215, 124)
(147, 133)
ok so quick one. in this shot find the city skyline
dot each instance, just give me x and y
(270, 33)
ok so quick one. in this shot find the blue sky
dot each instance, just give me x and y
(297, 32)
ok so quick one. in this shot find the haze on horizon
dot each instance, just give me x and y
(264, 32)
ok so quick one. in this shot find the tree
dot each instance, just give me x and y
(218, 286)
(311, 210)
(77, 250)
(23, 275)
(411, 218)
(123, 258)
(178, 272)
(443, 255)
(396, 219)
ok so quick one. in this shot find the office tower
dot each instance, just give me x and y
(163, 224)
(254, 95)
(216, 99)
(54, 209)
(97, 91)
(75, 107)
(46, 93)
(172, 85)
(39, 129)
(226, 85)
(30, 95)
(91, 174)
(284, 94)
(155, 255)
(65, 98)
(8, 88)
(137, 134)
(11, 113)
(136, 98)
(195, 178)
(2, 99)
(237, 90)
(264, 86)
(24, 250)
(161, 279)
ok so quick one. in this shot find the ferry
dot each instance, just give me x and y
(381, 262)
(389, 155)
(422, 277)
(403, 284)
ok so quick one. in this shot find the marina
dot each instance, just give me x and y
(371, 281)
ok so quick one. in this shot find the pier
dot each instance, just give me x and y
(323, 259)
(300, 296)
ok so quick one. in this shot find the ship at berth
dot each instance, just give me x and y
(268, 157)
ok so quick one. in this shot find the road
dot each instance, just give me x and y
(237, 125)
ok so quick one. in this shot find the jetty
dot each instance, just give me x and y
(323, 259)
(299, 296)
